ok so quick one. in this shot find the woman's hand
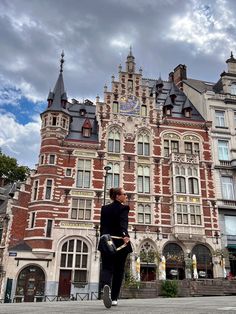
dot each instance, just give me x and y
(126, 240)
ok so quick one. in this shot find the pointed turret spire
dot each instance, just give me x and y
(57, 99)
(130, 63)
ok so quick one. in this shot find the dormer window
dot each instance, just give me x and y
(87, 128)
(167, 110)
(86, 132)
(188, 113)
(82, 112)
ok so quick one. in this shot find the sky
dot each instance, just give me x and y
(96, 36)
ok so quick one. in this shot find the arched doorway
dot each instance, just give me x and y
(30, 284)
(73, 266)
(204, 261)
(174, 261)
(147, 262)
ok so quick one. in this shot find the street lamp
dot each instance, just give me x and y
(106, 168)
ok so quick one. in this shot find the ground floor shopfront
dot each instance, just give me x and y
(72, 269)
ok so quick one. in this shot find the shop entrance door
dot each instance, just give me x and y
(64, 283)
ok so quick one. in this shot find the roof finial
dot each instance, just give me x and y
(62, 61)
(232, 56)
(130, 50)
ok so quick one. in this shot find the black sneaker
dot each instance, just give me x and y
(107, 296)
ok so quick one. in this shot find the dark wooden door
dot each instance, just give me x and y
(64, 283)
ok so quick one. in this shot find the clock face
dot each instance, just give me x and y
(130, 105)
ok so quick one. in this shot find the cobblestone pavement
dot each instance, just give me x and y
(200, 305)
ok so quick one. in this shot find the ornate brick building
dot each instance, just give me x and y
(145, 136)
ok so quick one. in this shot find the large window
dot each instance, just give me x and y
(182, 214)
(191, 148)
(143, 179)
(230, 225)
(74, 256)
(220, 118)
(143, 145)
(193, 186)
(114, 141)
(115, 107)
(83, 173)
(144, 214)
(188, 214)
(227, 188)
(223, 150)
(170, 147)
(48, 193)
(113, 176)
(81, 209)
(180, 185)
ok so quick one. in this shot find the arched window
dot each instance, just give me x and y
(143, 145)
(73, 265)
(30, 284)
(180, 185)
(193, 187)
(143, 179)
(113, 176)
(114, 141)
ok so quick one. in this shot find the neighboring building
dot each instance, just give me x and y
(216, 102)
(145, 136)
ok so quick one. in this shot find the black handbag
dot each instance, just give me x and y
(106, 244)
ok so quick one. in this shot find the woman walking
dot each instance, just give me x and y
(114, 221)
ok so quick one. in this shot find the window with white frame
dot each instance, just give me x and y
(83, 173)
(48, 192)
(233, 89)
(144, 214)
(115, 107)
(75, 257)
(81, 209)
(114, 141)
(182, 214)
(49, 228)
(220, 118)
(143, 145)
(113, 176)
(191, 148)
(170, 147)
(51, 159)
(193, 187)
(143, 179)
(180, 184)
(227, 188)
(223, 150)
(188, 214)
(195, 215)
(68, 172)
(35, 190)
(32, 219)
(143, 110)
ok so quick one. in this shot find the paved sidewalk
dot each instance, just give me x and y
(199, 305)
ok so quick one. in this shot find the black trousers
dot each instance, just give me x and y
(112, 272)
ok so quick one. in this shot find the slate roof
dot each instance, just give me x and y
(166, 96)
(78, 120)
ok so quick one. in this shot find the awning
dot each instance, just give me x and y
(231, 246)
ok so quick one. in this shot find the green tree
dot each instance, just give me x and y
(10, 170)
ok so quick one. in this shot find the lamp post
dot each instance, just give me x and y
(106, 168)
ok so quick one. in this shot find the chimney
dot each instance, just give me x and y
(180, 74)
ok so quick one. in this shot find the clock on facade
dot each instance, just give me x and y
(130, 105)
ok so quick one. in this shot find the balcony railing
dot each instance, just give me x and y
(228, 203)
(184, 158)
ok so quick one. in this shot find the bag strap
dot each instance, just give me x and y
(119, 247)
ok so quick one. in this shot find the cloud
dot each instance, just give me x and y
(209, 27)
(20, 141)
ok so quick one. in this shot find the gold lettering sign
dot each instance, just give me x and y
(81, 193)
(84, 154)
(74, 224)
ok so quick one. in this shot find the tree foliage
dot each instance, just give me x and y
(10, 170)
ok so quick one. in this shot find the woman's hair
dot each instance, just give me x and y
(114, 192)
